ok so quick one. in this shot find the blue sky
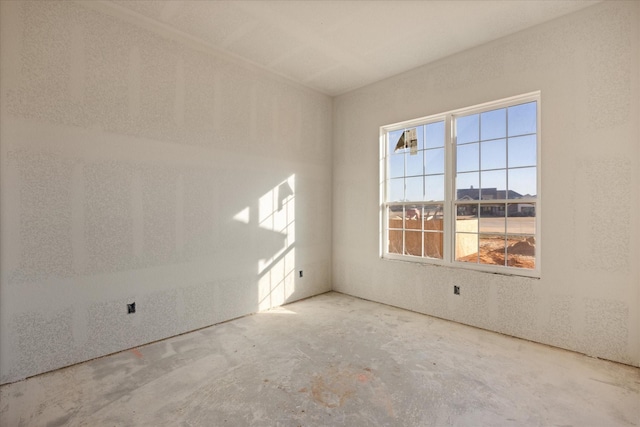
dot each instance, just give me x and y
(495, 149)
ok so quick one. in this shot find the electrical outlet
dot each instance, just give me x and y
(456, 290)
(131, 308)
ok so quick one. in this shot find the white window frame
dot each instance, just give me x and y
(449, 177)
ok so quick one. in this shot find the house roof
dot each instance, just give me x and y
(486, 194)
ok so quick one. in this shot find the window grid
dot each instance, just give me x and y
(416, 230)
(502, 221)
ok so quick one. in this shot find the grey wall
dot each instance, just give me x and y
(136, 166)
(588, 298)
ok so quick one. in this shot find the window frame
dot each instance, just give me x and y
(450, 203)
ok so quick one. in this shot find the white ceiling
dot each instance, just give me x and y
(338, 46)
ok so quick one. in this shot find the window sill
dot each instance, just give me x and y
(480, 268)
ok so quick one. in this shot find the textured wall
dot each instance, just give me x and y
(139, 167)
(588, 298)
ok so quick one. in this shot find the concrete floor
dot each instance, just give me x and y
(332, 360)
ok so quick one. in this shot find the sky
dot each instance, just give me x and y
(494, 149)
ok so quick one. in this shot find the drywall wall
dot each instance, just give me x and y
(586, 66)
(137, 166)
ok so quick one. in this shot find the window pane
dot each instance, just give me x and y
(522, 151)
(414, 163)
(468, 129)
(434, 188)
(420, 136)
(413, 243)
(396, 190)
(493, 184)
(491, 249)
(433, 245)
(493, 154)
(412, 215)
(467, 247)
(393, 141)
(414, 188)
(493, 124)
(492, 218)
(395, 242)
(522, 119)
(468, 186)
(468, 158)
(521, 251)
(494, 167)
(521, 218)
(467, 218)
(435, 135)
(433, 217)
(395, 216)
(396, 165)
(522, 182)
(434, 161)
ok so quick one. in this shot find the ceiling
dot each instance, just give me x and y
(337, 46)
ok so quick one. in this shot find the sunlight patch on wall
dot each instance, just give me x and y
(242, 216)
(276, 213)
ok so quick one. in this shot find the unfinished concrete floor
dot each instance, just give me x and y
(332, 360)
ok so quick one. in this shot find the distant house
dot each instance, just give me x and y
(487, 194)
(515, 209)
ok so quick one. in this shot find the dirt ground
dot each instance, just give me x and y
(520, 252)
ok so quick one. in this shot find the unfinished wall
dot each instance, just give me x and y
(140, 167)
(588, 298)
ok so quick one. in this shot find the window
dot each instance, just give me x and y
(461, 188)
